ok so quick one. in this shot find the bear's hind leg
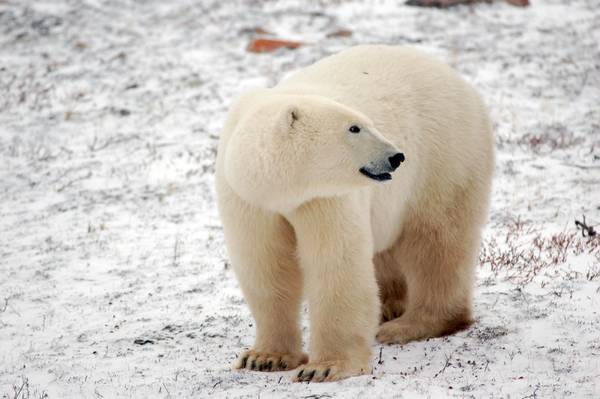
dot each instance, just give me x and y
(438, 261)
(439, 279)
(392, 285)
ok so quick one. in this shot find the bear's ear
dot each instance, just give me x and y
(292, 114)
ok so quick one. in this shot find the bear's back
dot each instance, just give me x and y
(399, 86)
(380, 72)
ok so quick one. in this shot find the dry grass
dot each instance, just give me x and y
(22, 390)
(593, 273)
(524, 251)
(544, 140)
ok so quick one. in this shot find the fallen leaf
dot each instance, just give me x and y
(269, 45)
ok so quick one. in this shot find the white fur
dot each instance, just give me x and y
(299, 217)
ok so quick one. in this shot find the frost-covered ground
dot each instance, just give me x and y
(114, 280)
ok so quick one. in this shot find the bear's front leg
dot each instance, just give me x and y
(261, 246)
(335, 251)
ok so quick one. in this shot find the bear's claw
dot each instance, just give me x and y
(269, 361)
(327, 371)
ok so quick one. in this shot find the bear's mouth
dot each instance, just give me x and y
(379, 176)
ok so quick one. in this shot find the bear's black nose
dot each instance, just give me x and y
(396, 160)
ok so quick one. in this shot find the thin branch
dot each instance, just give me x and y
(71, 182)
(446, 364)
(5, 305)
(585, 167)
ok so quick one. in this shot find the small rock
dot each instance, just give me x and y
(141, 341)
(340, 33)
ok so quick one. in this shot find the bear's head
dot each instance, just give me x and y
(288, 149)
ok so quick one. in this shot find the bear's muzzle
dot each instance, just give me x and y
(381, 170)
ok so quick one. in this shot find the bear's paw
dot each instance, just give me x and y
(329, 371)
(269, 361)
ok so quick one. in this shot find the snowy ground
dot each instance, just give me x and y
(114, 280)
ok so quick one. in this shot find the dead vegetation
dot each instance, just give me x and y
(543, 139)
(22, 390)
(524, 251)
(554, 137)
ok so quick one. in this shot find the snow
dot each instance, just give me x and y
(110, 113)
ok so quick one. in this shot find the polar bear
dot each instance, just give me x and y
(362, 183)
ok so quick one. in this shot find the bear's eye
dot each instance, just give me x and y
(354, 129)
